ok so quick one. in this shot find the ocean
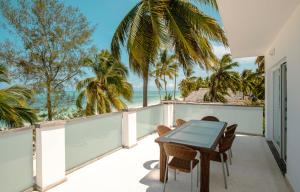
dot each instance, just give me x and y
(67, 101)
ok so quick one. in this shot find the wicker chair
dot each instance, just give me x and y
(180, 122)
(221, 156)
(162, 130)
(184, 160)
(210, 118)
(230, 130)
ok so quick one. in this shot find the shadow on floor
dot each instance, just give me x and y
(151, 180)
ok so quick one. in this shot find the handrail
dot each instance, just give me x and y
(214, 104)
(14, 130)
(93, 117)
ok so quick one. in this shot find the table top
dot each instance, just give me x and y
(196, 133)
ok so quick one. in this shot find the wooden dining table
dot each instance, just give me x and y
(200, 135)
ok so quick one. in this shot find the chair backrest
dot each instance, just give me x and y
(226, 143)
(180, 151)
(230, 130)
(162, 130)
(210, 118)
(180, 122)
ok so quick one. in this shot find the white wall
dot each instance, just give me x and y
(249, 119)
(287, 47)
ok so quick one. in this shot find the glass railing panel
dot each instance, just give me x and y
(89, 138)
(16, 161)
(248, 118)
(148, 118)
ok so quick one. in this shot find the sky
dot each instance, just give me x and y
(105, 15)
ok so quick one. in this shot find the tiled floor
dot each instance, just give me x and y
(136, 170)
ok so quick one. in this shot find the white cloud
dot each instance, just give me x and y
(246, 59)
(220, 50)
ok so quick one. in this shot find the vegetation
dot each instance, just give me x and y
(14, 109)
(191, 83)
(53, 39)
(103, 91)
(222, 80)
(52, 52)
(177, 24)
(259, 81)
(247, 84)
(166, 67)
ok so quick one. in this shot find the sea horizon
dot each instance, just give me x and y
(67, 101)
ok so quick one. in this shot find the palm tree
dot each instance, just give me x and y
(165, 68)
(222, 80)
(188, 84)
(14, 110)
(201, 83)
(259, 80)
(157, 80)
(175, 81)
(177, 24)
(105, 90)
(247, 84)
(260, 62)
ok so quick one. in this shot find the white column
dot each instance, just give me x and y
(50, 154)
(129, 129)
(168, 114)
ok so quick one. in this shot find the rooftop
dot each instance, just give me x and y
(136, 169)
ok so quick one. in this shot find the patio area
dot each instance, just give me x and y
(135, 170)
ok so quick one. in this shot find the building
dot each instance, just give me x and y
(271, 28)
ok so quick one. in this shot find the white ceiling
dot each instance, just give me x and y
(252, 25)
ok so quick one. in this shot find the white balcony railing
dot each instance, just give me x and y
(64, 146)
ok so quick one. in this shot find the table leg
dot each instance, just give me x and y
(162, 163)
(205, 166)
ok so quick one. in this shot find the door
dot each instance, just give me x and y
(280, 110)
(283, 110)
(277, 109)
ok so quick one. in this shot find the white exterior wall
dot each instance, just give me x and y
(287, 48)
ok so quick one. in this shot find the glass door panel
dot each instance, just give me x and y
(277, 108)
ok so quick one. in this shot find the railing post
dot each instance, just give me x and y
(129, 129)
(168, 114)
(50, 154)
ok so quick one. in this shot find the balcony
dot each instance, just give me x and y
(117, 152)
(136, 170)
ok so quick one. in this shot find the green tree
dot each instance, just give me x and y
(259, 80)
(14, 110)
(104, 91)
(222, 80)
(157, 80)
(247, 82)
(201, 83)
(53, 39)
(260, 62)
(177, 24)
(166, 67)
(188, 84)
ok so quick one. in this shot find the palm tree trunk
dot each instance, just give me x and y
(174, 87)
(145, 90)
(159, 94)
(49, 103)
(165, 82)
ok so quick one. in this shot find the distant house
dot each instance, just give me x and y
(197, 96)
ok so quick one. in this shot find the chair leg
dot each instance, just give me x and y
(198, 172)
(223, 167)
(229, 155)
(166, 172)
(191, 176)
(227, 168)
(175, 174)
